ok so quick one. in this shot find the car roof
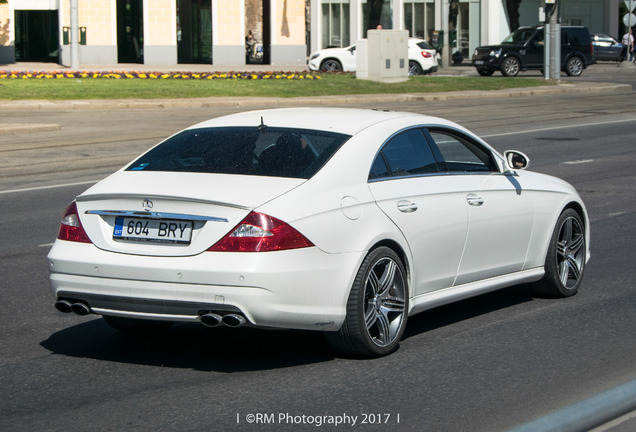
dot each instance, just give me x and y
(340, 120)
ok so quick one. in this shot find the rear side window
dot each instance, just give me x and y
(405, 154)
(270, 151)
(576, 36)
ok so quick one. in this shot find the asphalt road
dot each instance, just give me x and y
(485, 364)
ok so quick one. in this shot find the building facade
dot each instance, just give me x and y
(159, 32)
(279, 32)
(339, 23)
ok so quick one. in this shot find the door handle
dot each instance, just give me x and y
(474, 199)
(406, 206)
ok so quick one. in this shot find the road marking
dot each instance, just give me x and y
(576, 162)
(45, 245)
(557, 128)
(48, 187)
(483, 136)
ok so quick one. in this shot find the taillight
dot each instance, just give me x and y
(259, 232)
(426, 54)
(71, 228)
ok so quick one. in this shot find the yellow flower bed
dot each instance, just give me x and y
(158, 75)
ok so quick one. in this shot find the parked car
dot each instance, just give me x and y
(338, 220)
(524, 49)
(607, 48)
(422, 58)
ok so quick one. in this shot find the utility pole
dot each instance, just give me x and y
(445, 43)
(552, 41)
(74, 35)
(628, 20)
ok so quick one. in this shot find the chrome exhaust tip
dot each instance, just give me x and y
(232, 320)
(63, 306)
(80, 309)
(211, 320)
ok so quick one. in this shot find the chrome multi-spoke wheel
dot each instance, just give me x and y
(574, 66)
(510, 66)
(384, 298)
(377, 308)
(566, 257)
(570, 252)
(414, 68)
(331, 65)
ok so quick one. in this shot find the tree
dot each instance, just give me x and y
(375, 12)
(513, 13)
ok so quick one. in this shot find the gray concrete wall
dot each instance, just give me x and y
(228, 55)
(160, 55)
(90, 54)
(288, 54)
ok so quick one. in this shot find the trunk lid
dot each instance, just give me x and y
(169, 213)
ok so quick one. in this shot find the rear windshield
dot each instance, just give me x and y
(264, 151)
(424, 45)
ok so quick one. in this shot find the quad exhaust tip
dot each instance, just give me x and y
(216, 320)
(63, 306)
(211, 320)
(78, 308)
(233, 320)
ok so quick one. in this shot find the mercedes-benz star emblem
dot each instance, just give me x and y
(147, 204)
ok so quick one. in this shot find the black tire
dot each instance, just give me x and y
(134, 325)
(377, 308)
(485, 72)
(565, 261)
(574, 66)
(331, 65)
(414, 68)
(510, 66)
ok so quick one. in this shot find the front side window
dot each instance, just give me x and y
(405, 154)
(521, 35)
(461, 154)
(269, 151)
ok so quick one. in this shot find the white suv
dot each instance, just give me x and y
(423, 59)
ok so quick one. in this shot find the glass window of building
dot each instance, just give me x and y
(335, 23)
(419, 18)
(380, 16)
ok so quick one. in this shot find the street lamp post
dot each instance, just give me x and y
(74, 35)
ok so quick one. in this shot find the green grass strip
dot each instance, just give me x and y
(75, 88)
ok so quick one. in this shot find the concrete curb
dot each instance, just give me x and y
(313, 101)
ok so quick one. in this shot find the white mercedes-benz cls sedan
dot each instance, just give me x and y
(343, 221)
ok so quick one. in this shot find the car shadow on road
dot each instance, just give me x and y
(193, 346)
(467, 309)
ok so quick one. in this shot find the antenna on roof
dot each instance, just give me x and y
(262, 126)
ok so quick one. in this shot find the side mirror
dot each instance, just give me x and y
(516, 160)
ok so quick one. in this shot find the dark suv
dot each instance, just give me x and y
(523, 49)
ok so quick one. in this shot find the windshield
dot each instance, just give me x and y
(262, 151)
(521, 35)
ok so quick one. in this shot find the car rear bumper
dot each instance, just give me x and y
(300, 289)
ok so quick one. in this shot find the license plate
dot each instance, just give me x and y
(153, 230)
(479, 62)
